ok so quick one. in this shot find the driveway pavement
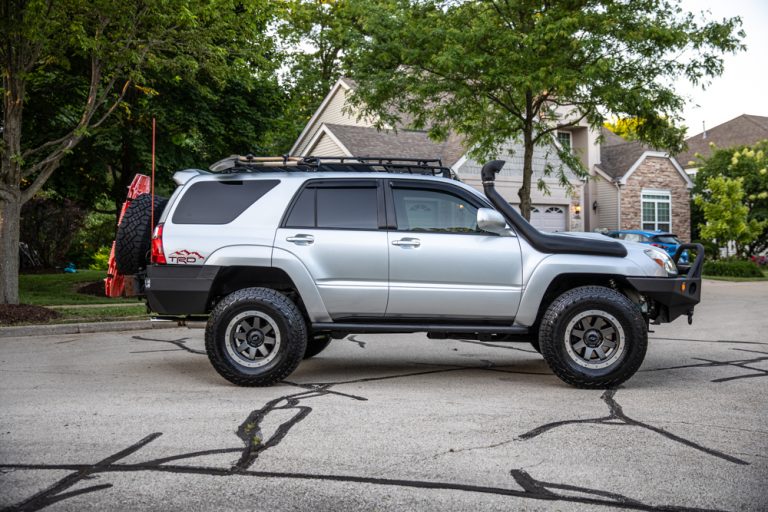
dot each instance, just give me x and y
(140, 421)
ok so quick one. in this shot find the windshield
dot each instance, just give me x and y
(667, 239)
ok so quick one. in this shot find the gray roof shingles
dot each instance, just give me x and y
(367, 141)
(743, 130)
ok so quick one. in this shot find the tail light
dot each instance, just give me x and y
(657, 245)
(158, 256)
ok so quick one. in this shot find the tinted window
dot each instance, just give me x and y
(219, 202)
(303, 212)
(667, 239)
(433, 211)
(347, 208)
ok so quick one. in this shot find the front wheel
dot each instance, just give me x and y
(593, 337)
(255, 337)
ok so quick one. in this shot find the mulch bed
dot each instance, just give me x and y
(24, 313)
(96, 289)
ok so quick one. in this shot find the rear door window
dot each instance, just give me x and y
(342, 206)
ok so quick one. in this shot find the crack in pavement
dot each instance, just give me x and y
(529, 487)
(181, 343)
(616, 416)
(738, 363)
(353, 339)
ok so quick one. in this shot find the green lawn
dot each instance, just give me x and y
(59, 289)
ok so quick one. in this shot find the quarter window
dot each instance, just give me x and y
(433, 211)
(657, 210)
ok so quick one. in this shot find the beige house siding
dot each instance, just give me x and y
(657, 173)
(333, 113)
(607, 204)
(510, 180)
(325, 146)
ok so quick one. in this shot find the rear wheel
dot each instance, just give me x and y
(255, 337)
(593, 337)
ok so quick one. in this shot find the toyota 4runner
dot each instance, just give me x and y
(282, 255)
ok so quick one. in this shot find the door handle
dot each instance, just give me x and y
(301, 239)
(407, 242)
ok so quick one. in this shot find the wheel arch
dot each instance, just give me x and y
(560, 284)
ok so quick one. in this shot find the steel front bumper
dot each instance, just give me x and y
(674, 296)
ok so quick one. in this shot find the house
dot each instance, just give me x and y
(744, 130)
(637, 187)
(601, 202)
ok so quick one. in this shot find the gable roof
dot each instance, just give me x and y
(620, 158)
(617, 159)
(743, 130)
(368, 141)
(309, 131)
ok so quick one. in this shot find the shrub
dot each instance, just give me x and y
(100, 260)
(732, 268)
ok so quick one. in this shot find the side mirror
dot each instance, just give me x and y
(491, 221)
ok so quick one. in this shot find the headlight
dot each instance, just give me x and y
(662, 259)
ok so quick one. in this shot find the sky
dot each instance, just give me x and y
(741, 89)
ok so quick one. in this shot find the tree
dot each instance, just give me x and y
(750, 165)
(726, 214)
(626, 127)
(314, 35)
(522, 69)
(115, 42)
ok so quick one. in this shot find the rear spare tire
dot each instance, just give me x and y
(134, 233)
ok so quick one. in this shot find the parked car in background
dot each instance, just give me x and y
(667, 241)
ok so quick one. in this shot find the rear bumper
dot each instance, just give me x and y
(179, 289)
(674, 296)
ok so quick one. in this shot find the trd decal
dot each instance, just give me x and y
(185, 256)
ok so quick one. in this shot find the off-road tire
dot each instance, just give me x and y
(289, 322)
(317, 344)
(133, 239)
(579, 301)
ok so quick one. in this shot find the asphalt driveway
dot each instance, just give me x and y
(140, 421)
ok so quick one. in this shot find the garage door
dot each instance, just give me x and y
(548, 218)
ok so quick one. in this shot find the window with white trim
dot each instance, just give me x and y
(656, 210)
(564, 138)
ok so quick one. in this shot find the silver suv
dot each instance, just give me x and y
(284, 255)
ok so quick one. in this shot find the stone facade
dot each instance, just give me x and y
(658, 174)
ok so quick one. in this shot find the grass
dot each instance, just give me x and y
(60, 289)
(740, 279)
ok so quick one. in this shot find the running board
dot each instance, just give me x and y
(362, 328)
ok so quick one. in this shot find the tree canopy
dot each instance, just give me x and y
(104, 51)
(522, 69)
(749, 165)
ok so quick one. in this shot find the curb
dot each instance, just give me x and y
(50, 330)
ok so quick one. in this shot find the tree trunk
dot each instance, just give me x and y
(10, 189)
(10, 209)
(525, 190)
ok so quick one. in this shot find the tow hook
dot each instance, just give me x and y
(690, 316)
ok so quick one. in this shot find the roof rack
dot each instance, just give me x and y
(250, 163)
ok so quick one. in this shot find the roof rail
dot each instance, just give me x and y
(250, 163)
